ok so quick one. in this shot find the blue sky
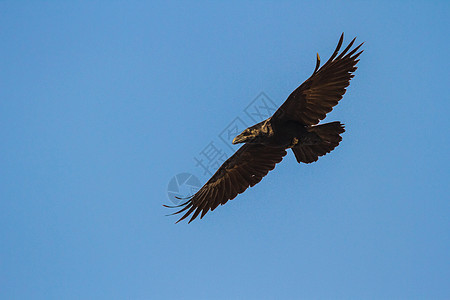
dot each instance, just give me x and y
(103, 103)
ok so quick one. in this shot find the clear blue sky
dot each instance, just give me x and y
(102, 103)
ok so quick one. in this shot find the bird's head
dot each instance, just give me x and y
(246, 136)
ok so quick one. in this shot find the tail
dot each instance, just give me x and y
(326, 137)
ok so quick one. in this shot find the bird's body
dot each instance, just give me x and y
(284, 134)
(293, 126)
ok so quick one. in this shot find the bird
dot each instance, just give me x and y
(294, 125)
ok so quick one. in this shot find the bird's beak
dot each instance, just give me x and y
(239, 139)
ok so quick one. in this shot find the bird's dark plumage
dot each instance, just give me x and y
(293, 125)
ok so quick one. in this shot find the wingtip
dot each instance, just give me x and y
(341, 39)
(317, 63)
(176, 206)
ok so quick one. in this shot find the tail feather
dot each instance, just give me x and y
(330, 138)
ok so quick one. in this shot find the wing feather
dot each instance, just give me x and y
(244, 169)
(317, 96)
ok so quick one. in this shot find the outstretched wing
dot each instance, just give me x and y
(245, 168)
(317, 96)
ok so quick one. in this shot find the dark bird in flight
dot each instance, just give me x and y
(293, 125)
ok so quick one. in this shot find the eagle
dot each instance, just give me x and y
(294, 125)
